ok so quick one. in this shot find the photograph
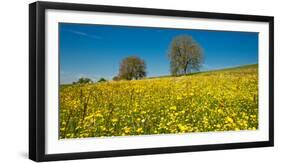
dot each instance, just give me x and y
(131, 81)
(113, 81)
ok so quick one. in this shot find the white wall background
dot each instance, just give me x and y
(14, 79)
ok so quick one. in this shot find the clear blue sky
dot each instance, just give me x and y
(95, 51)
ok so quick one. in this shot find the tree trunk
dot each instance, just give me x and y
(185, 68)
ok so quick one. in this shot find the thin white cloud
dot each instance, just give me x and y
(85, 34)
(78, 33)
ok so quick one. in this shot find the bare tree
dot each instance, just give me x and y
(185, 55)
(132, 68)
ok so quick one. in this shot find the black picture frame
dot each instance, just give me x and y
(37, 80)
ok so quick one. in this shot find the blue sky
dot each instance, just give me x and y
(96, 51)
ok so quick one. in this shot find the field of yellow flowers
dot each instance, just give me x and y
(210, 101)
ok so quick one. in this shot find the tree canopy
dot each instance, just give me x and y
(101, 80)
(132, 67)
(185, 55)
(83, 80)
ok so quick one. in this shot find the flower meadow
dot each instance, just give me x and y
(223, 100)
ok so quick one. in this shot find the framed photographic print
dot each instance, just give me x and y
(118, 81)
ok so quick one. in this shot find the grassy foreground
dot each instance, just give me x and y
(211, 101)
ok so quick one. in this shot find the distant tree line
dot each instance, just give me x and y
(84, 80)
(185, 56)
